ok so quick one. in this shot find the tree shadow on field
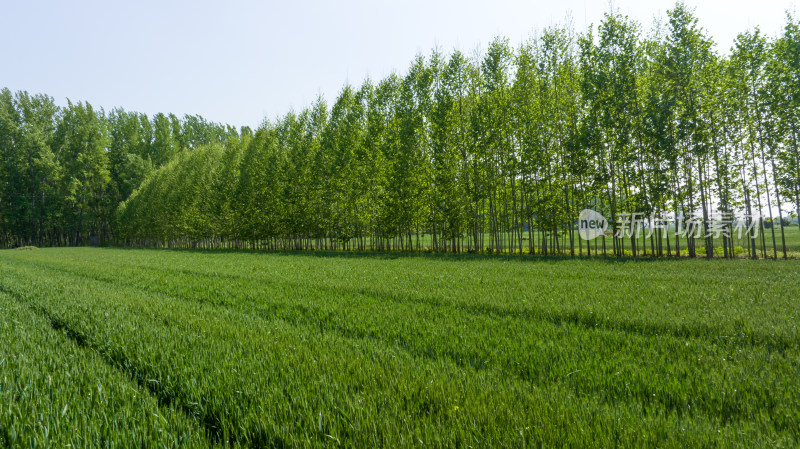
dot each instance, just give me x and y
(422, 255)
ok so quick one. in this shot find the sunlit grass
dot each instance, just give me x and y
(327, 349)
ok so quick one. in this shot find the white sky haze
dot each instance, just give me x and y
(238, 62)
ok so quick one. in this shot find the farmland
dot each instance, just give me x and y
(171, 348)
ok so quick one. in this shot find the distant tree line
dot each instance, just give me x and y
(65, 170)
(493, 153)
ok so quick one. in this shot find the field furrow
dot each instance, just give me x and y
(56, 393)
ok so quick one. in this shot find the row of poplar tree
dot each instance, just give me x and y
(65, 170)
(494, 152)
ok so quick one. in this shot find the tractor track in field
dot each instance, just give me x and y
(208, 422)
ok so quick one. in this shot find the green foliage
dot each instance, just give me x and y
(64, 171)
(495, 153)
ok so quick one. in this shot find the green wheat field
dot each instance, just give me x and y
(169, 348)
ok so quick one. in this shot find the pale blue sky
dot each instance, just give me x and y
(240, 61)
